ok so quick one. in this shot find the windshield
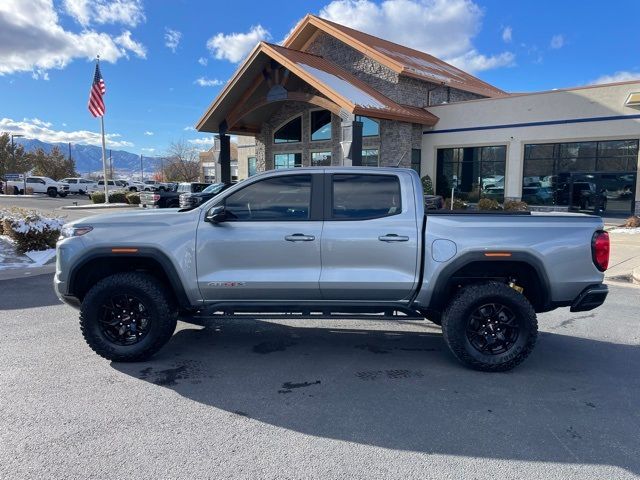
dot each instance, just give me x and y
(215, 188)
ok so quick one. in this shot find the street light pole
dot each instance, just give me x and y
(141, 170)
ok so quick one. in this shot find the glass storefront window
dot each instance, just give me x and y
(290, 132)
(252, 166)
(370, 158)
(320, 125)
(595, 176)
(474, 172)
(287, 160)
(320, 159)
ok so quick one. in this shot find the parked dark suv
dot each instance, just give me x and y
(192, 200)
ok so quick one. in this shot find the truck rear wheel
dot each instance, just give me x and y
(490, 327)
(127, 317)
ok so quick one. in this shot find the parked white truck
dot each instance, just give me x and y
(39, 185)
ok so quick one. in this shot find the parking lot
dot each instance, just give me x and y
(52, 206)
(313, 399)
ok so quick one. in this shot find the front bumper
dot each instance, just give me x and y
(590, 298)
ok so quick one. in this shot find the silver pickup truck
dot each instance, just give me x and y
(335, 241)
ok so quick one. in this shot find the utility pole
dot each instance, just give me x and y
(141, 170)
(110, 164)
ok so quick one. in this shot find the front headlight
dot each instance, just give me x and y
(74, 231)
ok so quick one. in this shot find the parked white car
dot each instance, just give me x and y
(112, 186)
(81, 186)
(39, 185)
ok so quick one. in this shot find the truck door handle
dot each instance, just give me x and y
(392, 237)
(299, 237)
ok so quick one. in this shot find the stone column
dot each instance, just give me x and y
(351, 143)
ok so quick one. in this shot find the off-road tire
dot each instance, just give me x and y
(163, 315)
(52, 192)
(456, 316)
(62, 194)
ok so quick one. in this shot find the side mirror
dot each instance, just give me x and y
(216, 215)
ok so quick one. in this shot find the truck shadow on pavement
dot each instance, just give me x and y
(574, 400)
(18, 294)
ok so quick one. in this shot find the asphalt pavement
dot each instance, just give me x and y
(316, 399)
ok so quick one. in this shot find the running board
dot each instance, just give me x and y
(272, 312)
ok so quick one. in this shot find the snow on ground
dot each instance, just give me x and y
(10, 259)
(625, 230)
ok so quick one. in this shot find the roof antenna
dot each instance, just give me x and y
(400, 161)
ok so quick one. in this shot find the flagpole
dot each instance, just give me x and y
(104, 162)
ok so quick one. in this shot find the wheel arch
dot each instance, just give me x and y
(475, 267)
(102, 262)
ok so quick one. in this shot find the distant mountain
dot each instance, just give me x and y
(88, 158)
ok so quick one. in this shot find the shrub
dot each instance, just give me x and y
(488, 204)
(114, 197)
(457, 204)
(632, 222)
(117, 197)
(30, 230)
(427, 185)
(97, 197)
(133, 198)
(29, 190)
(516, 206)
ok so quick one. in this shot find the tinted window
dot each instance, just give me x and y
(274, 199)
(358, 197)
(287, 160)
(319, 159)
(290, 132)
(370, 127)
(321, 125)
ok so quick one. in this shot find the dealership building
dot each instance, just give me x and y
(331, 95)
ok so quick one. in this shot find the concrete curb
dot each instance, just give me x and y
(635, 275)
(98, 206)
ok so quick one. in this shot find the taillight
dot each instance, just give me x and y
(600, 250)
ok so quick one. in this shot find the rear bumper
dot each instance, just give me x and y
(590, 298)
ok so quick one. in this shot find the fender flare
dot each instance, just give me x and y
(439, 293)
(143, 252)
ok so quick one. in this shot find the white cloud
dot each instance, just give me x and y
(189, 129)
(507, 34)
(235, 46)
(39, 74)
(204, 141)
(621, 76)
(148, 133)
(203, 61)
(557, 41)
(36, 42)
(127, 43)
(208, 82)
(172, 39)
(38, 129)
(443, 28)
(150, 150)
(472, 61)
(86, 12)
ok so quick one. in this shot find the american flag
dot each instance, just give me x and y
(98, 89)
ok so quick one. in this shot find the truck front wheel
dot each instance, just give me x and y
(490, 327)
(52, 192)
(127, 317)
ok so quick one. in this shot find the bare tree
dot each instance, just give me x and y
(182, 162)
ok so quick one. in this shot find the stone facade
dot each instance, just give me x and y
(396, 140)
(401, 89)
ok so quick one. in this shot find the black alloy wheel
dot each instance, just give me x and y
(124, 319)
(493, 329)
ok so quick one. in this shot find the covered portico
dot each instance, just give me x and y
(304, 110)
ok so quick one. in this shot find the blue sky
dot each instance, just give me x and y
(164, 61)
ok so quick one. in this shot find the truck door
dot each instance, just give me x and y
(269, 246)
(370, 237)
